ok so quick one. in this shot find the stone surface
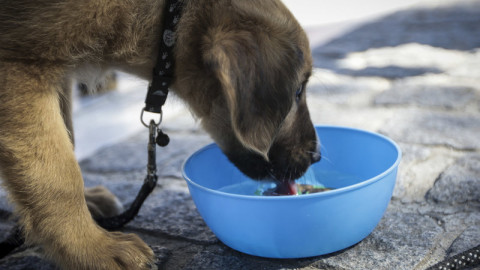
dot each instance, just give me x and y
(131, 155)
(413, 76)
(396, 237)
(460, 183)
(450, 25)
(25, 262)
(467, 240)
(447, 97)
(390, 72)
(419, 169)
(173, 213)
(456, 130)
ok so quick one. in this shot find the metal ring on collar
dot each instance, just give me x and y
(157, 123)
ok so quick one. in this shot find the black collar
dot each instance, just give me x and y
(163, 72)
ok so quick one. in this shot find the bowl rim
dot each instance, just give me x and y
(329, 193)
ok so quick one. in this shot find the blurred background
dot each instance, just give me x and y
(313, 13)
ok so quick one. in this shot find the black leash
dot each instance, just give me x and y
(466, 259)
(163, 72)
(163, 76)
(117, 222)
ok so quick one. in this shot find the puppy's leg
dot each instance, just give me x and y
(44, 179)
(100, 201)
(65, 99)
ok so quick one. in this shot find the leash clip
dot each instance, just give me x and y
(152, 152)
(160, 138)
(156, 123)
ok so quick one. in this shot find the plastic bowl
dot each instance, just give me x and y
(303, 225)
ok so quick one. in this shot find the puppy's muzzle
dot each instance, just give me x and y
(316, 156)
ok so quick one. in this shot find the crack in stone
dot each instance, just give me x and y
(438, 250)
(453, 242)
(428, 196)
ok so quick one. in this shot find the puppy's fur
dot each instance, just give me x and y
(240, 66)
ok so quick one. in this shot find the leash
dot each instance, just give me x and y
(464, 260)
(163, 76)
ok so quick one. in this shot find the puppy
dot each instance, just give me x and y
(241, 66)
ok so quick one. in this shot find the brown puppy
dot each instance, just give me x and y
(241, 66)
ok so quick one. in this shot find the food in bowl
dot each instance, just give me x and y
(292, 189)
(308, 184)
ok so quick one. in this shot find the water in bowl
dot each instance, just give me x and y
(322, 178)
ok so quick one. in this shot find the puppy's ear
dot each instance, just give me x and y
(257, 106)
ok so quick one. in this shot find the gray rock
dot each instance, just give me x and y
(217, 257)
(173, 213)
(223, 257)
(335, 88)
(448, 97)
(412, 153)
(131, 155)
(459, 131)
(460, 183)
(469, 239)
(25, 263)
(389, 72)
(407, 177)
(400, 241)
(451, 26)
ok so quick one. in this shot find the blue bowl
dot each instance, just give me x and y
(361, 167)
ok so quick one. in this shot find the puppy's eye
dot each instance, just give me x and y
(298, 94)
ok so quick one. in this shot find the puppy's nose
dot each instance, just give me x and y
(316, 156)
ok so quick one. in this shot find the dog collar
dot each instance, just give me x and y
(163, 72)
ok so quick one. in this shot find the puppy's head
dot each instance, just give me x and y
(257, 62)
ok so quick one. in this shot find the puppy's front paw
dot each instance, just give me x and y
(128, 251)
(110, 251)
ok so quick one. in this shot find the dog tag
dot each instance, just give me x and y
(162, 138)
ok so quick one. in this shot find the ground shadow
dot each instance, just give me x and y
(453, 27)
